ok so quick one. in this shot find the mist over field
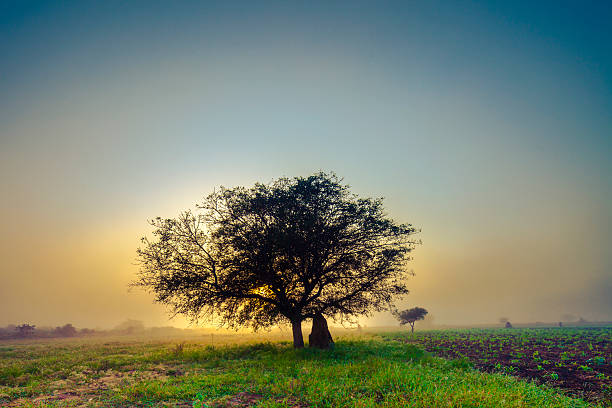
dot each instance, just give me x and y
(485, 125)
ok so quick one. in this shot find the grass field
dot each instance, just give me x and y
(366, 372)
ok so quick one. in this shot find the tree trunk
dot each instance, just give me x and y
(298, 338)
(411, 327)
(320, 336)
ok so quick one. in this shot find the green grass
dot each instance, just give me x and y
(356, 373)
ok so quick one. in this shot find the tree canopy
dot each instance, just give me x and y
(25, 330)
(281, 252)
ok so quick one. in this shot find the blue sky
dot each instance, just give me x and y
(486, 124)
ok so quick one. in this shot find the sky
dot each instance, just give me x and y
(488, 125)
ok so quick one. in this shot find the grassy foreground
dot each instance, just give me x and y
(356, 373)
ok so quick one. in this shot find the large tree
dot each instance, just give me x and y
(283, 252)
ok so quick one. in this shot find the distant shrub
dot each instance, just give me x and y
(25, 330)
(67, 330)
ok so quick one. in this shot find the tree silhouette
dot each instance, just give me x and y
(67, 330)
(287, 251)
(411, 316)
(25, 330)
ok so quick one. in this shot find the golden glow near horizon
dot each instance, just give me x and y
(497, 149)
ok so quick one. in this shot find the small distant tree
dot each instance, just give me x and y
(67, 330)
(131, 326)
(25, 330)
(411, 316)
(86, 332)
(505, 322)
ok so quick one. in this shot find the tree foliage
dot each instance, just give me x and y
(67, 330)
(25, 330)
(279, 252)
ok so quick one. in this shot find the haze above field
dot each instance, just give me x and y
(486, 125)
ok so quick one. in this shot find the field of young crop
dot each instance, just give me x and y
(356, 373)
(577, 360)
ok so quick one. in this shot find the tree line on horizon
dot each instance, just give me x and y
(26, 330)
